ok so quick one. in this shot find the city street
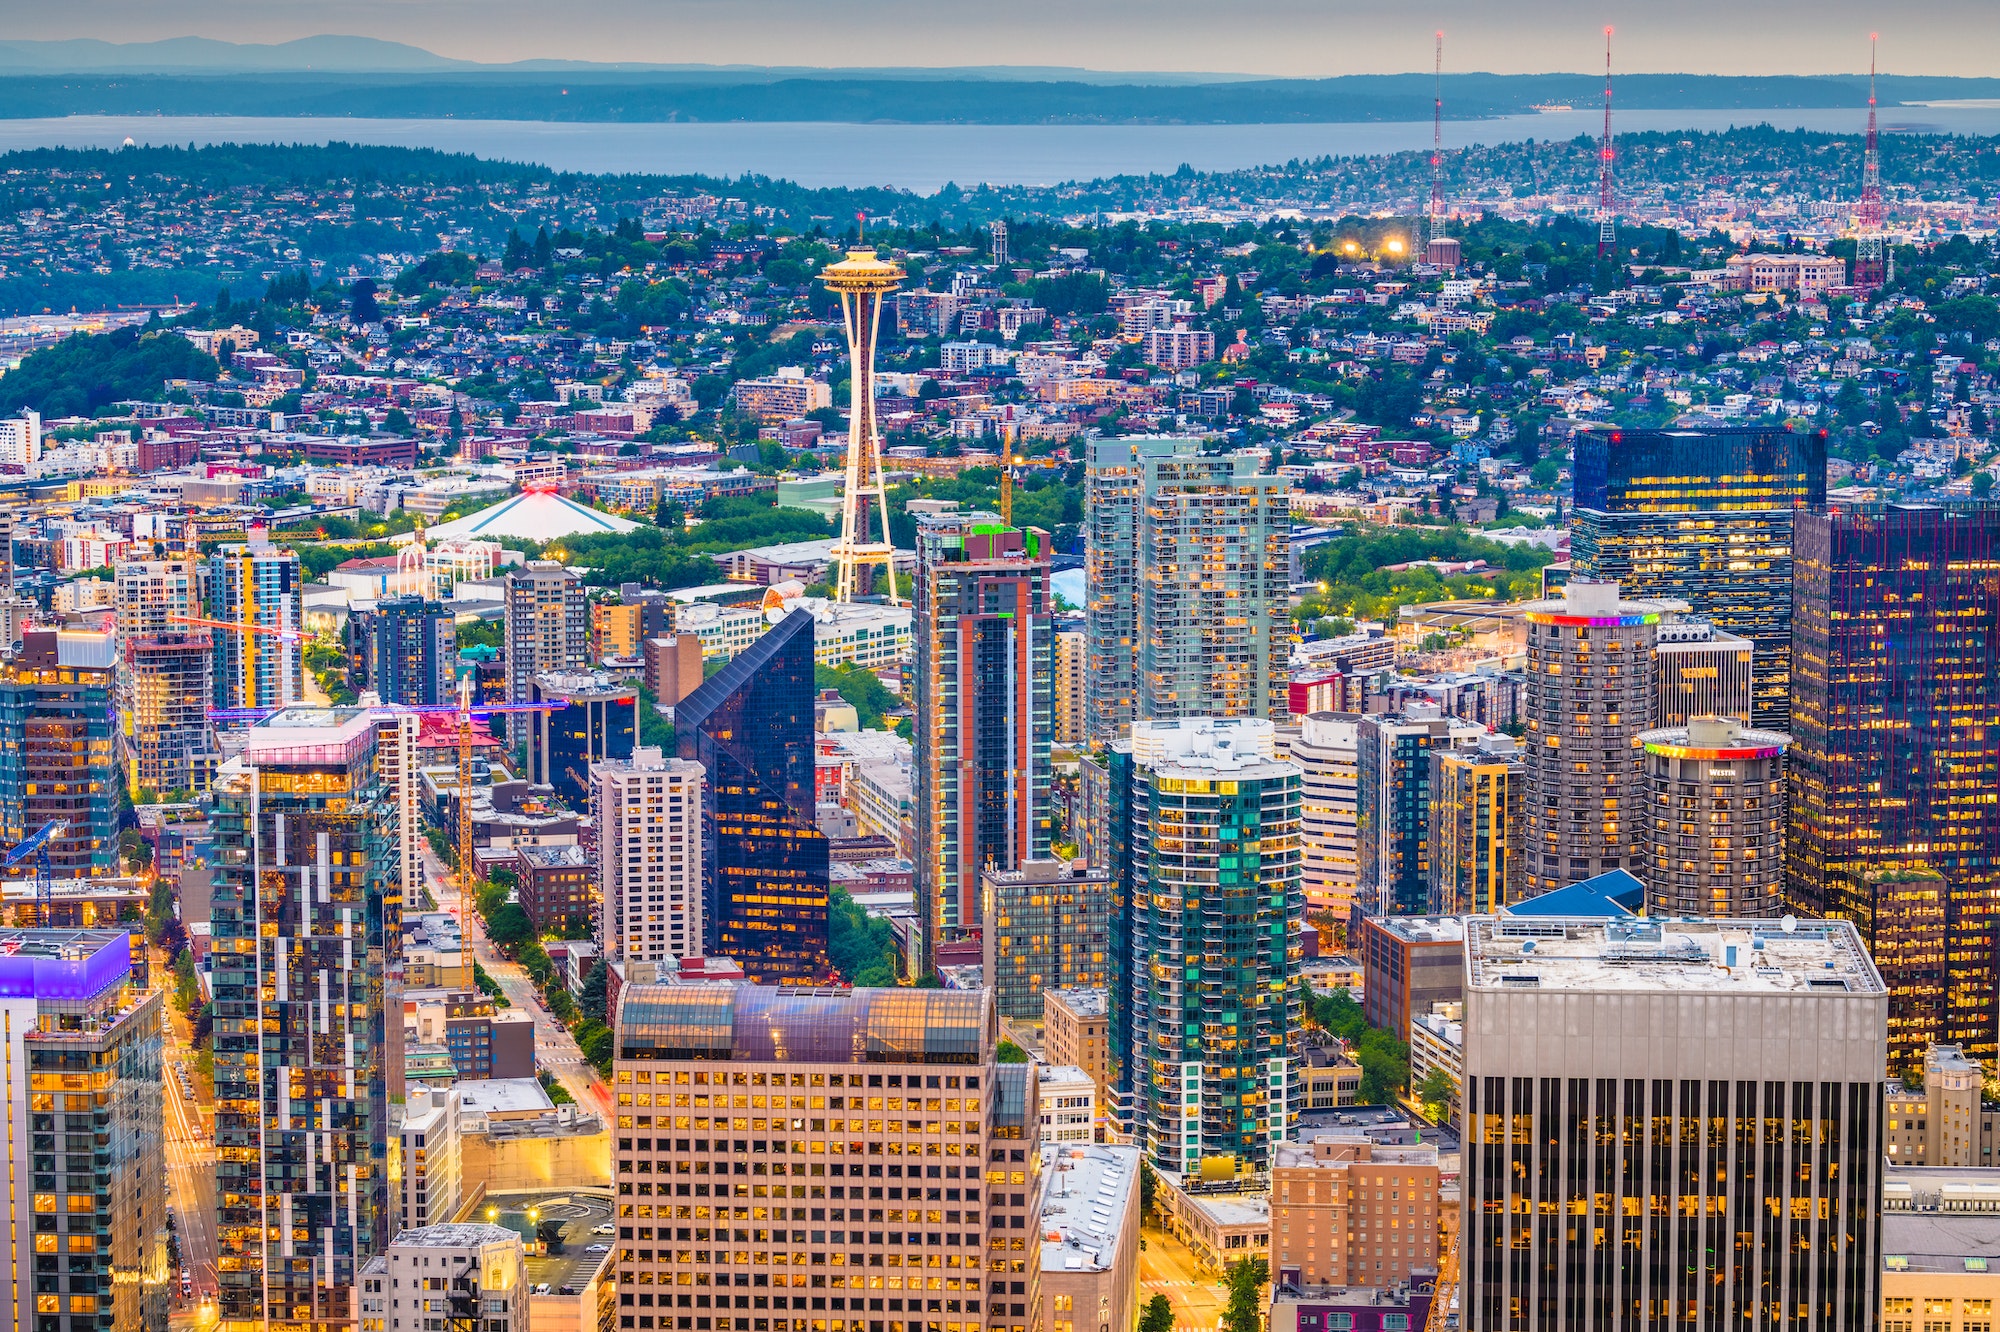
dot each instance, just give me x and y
(1166, 1267)
(190, 1163)
(554, 1049)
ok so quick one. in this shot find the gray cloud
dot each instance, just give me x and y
(1280, 37)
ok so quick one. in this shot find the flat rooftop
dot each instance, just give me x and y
(1085, 1205)
(1424, 929)
(1749, 957)
(1085, 1003)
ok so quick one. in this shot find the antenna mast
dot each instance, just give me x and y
(1436, 231)
(1870, 268)
(1607, 227)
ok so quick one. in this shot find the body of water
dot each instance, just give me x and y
(927, 157)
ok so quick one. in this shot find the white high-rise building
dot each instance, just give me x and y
(465, 1275)
(1325, 750)
(1677, 1115)
(21, 442)
(648, 811)
(430, 1188)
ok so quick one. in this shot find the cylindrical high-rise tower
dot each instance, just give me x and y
(862, 280)
(1715, 842)
(1589, 694)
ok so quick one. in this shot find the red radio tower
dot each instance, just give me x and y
(1870, 267)
(1436, 231)
(1607, 227)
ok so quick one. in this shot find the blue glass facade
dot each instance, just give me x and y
(764, 859)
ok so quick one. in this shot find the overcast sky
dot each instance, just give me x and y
(1286, 37)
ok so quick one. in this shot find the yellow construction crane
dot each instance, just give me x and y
(1007, 464)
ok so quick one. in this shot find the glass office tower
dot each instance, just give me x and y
(764, 859)
(1894, 764)
(1705, 517)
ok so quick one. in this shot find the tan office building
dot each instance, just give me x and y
(1346, 1211)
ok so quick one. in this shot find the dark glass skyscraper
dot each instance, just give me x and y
(408, 650)
(764, 859)
(1705, 517)
(1896, 756)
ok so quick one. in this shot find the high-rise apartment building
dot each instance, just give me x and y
(649, 867)
(86, 1193)
(595, 717)
(1705, 517)
(1070, 677)
(1892, 768)
(765, 864)
(1670, 1115)
(306, 916)
(458, 1276)
(1475, 830)
(168, 687)
(547, 628)
(1326, 751)
(150, 594)
(1715, 809)
(430, 1183)
(832, 1215)
(985, 696)
(261, 587)
(1204, 1000)
(56, 748)
(1045, 926)
(1701, 671)
(1214, 549)
(1393, 804)
(1112, 489)
(409, 651)
(1589, 694)
(1346, 1211)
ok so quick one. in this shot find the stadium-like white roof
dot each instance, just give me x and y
(535, 515)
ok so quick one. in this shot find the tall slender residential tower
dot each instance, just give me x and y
(1112, 488)
(1704, 517)
(1393, 797)
(547, 629)
(1213, 552)
(307, 916)
(1715, 845)
(765, 866)
(648, 814)
(58, 758)
(861, 280)
(1589, 694)
(168, 681)
(1204, 985)
(260, 586)
(1892, 768)
(409, 646)
(1326, 751)
(75, 1013)
(985, 712)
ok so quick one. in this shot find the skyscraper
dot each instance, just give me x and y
(56, 747)
(1204, 1003)
(1705, 517)
(163, 723)
(307, 916)
(1715, 841)
(1070, 677)
(1589, 694)
(1327, 755)
(1679, 1116)
(649, 869)
(956, 1173)
(150, 593)
(1475, 830)
(1046, 926)
(1392, 841)
(985, 711)
(409, 648)
(1214, 622)
(547, 628)
(597, 718)
(765, 866)
(82, 1077)
(260, 586)
(1893, 764)
(1112, 487)
(1701, 671)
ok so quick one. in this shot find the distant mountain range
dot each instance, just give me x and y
(361, 76)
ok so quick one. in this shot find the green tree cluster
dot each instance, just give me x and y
(1384, 1060)
(83, 373)
(1243, 1311)
(859, 686)
(861, 947)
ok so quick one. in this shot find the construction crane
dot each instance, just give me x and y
(285, 635)
(37, 846)
(1442, 1315)
(1007, 464)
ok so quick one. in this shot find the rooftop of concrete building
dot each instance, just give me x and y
(1600, 605)
(1750, 957)
(1942, 1241)
(1084, 1003)
(1424, 929)
(454, 1235)
(1232, 747)
(1084, 1205)
(504, 1096)
(67, 968)
(1328, 1150)
(1048, 871)
(554, 857)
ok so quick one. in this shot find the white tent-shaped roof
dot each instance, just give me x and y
(534, 515)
